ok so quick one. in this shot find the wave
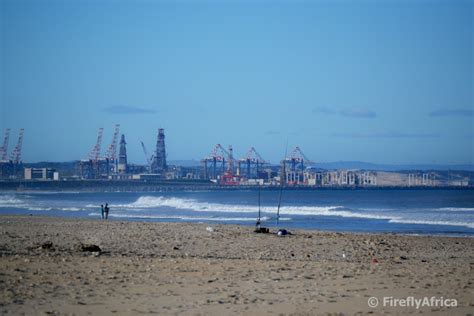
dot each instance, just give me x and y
(66, 209)
(425, 222)
(456, 209)
(94, 206)
(39, 208)
(151, 202)
(9, 201)
(72, 209)
(191, 218)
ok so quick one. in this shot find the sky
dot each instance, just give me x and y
(375, 81)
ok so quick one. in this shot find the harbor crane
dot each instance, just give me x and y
(111, 155)
(252, 162)
(90, 167)
(16, 154)
(297, 158)
(4, 148)
(218, 158)
(149, 159)
(292, 166)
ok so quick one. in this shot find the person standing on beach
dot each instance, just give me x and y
(106, 210)
(102, 210)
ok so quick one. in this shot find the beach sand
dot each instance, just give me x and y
(182, 268)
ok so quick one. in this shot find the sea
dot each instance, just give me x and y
(422, 212)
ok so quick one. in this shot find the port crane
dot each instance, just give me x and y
(16, 154)
(111, 155)
(149, 159)
(252, 158)
(4, 148)
(293, 165)
(218, 158)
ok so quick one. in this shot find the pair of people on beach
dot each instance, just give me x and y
(105, 211)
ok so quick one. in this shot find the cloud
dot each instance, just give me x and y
(452, 112)
(355, 113)
(362, 113)
(386, 135)
(126, 109)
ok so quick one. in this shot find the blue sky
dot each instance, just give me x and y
(375, 81)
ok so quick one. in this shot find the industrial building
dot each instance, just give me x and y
(41, 174)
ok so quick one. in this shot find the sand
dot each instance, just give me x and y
(181, 268)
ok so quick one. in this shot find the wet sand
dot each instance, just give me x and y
(181, 268)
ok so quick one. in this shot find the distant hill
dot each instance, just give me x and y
(359, 165)
(185, 163)
(389, 167)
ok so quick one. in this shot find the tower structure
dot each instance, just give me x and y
(158, 165)
(4, 148)
(252, 163)
(111, 155)
(293, 166)
(122, 158)
(16, 154)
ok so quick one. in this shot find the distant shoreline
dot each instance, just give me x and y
(180, 185)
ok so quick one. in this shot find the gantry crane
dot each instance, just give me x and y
(252, 162)
(218, 158)
(292, 174)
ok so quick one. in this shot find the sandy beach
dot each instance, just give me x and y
(48, 267)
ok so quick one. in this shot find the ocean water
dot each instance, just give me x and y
(433, 212)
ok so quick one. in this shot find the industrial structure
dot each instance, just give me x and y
(95, 166)
(252, 163)
(219, 167)
(11, 167)
(158, 163)
(293, 167)
(219, 164)
(41, 174)
(122, 166)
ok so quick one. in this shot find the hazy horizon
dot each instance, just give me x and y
(379, 82)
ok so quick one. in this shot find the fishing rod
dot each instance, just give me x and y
(259, 212)
(283, 175)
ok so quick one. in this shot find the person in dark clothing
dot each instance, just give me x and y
(102, 210)
(106, 210)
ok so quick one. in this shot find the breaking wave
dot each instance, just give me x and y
(188, 209)
(456, 209)
(189, 218)
(150, 202)
(424, 222)
(66, 209)
(10, 201)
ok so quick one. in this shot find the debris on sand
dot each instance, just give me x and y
(87, 247)
(46, 245)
